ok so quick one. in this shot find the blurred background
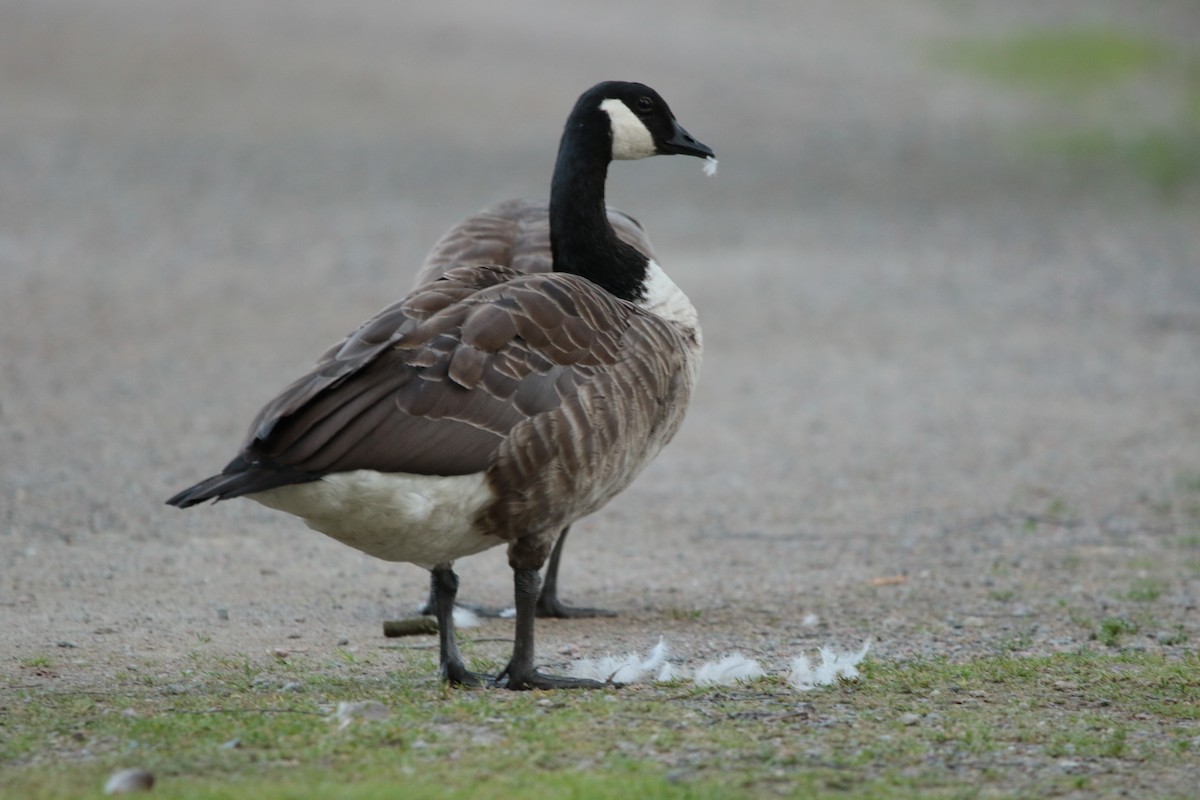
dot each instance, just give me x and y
(949, 274)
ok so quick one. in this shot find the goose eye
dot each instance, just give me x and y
(645, 105)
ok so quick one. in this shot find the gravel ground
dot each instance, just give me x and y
(950, 391)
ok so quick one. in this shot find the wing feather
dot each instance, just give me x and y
(462, 375)
(439, 382)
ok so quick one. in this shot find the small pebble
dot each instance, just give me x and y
(232, 744)
(909, 719)
(128, 781)
(365, 710)
(343, 642)
(67, 644)
(223, 614)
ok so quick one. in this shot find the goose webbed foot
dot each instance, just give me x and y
(550, 607)
(456, 673)
(548, 604)
(521, 674)
(531, 678)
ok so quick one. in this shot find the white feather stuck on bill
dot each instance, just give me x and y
(710, 166)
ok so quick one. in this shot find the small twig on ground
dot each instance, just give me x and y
(409, 626)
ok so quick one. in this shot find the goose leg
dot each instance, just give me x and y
(444, 587)
(430, 607)
(520, 672)
(548, 604)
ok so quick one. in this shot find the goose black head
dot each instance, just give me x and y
(640, 122)
(612, 120)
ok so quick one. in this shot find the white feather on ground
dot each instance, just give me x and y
(629, 668)
(833, 667)
(731, 669)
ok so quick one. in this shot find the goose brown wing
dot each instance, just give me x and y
(435, 383)
(513, 233)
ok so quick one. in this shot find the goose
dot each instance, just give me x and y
(493, 406)
(516, 233)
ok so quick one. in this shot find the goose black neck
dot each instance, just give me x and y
(582, 241)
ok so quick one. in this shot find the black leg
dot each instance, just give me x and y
(444, 587)
(430, 607)
(548, 604)
(520, 672)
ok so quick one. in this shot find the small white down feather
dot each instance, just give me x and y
(732, 669)
(629, 668)
(833, 667)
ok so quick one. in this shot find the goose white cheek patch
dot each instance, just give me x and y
(710, 166)
(631, 139)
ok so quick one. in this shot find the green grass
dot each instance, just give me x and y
(1187, 486)
(1146, 590)
(1188, 483)
(996, 727)
(1070, 60)
(38, 661)
(1114, 629)
(1093, 82)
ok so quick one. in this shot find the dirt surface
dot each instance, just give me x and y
(950, 395)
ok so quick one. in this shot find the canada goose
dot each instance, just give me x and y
(516, 233)
(493, 406)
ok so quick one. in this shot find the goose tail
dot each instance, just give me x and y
(240, 478)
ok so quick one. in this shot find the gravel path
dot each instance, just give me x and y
(950, 388)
